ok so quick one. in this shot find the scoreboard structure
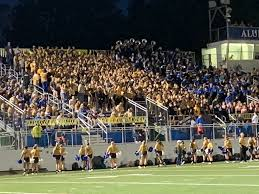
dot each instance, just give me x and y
(230, 46)
(240, 48)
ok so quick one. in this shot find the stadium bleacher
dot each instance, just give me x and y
(94, 84)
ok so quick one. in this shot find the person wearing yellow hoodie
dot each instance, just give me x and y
(36, 133)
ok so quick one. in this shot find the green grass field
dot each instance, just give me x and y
(217, 178)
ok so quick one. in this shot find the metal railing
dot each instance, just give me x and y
(51, 99)
(251, 99)
(157, 113)
(124, 134)
(3, 70)
(7, 141)
(103, 127)
(178, 119)
(139, 110)
(11, 120)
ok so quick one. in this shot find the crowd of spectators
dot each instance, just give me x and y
(100, 81)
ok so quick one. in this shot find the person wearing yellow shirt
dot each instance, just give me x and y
(36, 79)
(62, 153)
(33, 66)
(204, 147)
(159, 148)
(35, 155)
(229, 150)
(112, 150)
(143, 151)
(57, 155)
(44, 80)
(209, 151)
(81, 153)
(193, 149)
(36, 133)
(243, 148)
(26, 154)
(251, 146)
(89, 154)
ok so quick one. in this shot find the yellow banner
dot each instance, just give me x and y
(120, 120)
(52, 122)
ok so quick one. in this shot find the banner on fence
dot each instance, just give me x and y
(121, 120)
(52, 122)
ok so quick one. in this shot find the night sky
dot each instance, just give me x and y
(7, 1)
(123, 3)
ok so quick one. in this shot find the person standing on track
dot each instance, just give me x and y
(112, 150)
(35, 155)
(209, 151)
(251, 144)
(62, 160)
(229, 150)
(179, 152)
(243, 148)
(143, 151)
(57, 155)
(89, 154)
(26, 154)
(81, 153)
(159, 148)
(193, 149)
(203, 148)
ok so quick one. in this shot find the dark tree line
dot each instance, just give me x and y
(99, 23)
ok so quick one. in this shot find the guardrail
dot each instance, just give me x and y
(157, 111)
(127, 134)
(18, 109)
(251, 99)
(139, 109)
(3, 70)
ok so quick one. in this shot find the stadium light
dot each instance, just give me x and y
(212, 4)
(228, 12)
(225, 2)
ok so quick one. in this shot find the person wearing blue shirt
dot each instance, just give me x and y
(228, 98)
(200, 120)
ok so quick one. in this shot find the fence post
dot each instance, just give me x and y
(213, 131)
(72, 138)
(122, 134)
(235, 131)
(256, 130)
(190, 132)
(226, 131)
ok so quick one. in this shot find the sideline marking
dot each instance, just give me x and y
(130, 183)
(25, 193)
(99, 177)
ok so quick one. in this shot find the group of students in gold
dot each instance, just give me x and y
(250, 145)
(31, 157)
(143, 151)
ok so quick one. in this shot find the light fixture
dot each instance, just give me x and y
(212, 4)
(225, 2)
(228, 12)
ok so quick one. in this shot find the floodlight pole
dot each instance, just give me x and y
(212, 15)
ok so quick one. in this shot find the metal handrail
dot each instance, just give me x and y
(13, 73)
(137, 105)
(18, 109)
(87, 119)
(103, 128)
(157, 104)
(2, 69)
(51, 98)
(250, 98)
(223, 124)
